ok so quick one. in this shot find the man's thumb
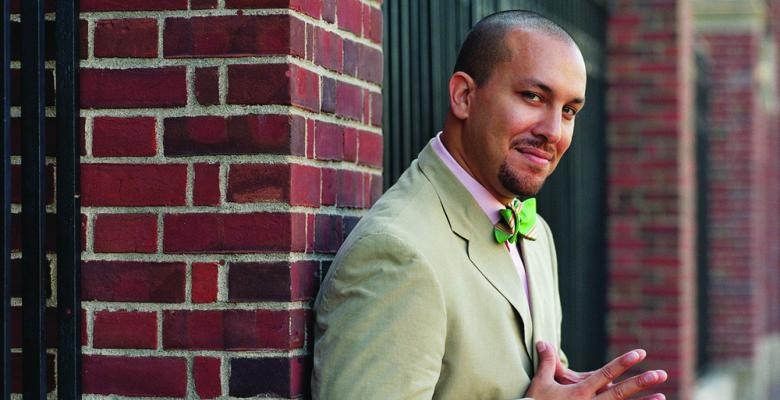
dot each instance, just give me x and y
(546, 360)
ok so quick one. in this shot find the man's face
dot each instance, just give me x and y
(521, 119)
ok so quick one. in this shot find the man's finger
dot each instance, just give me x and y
(655, 396)
(608, 373)
(546, 360)
(629, 387)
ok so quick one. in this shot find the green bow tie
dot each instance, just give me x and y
(518, 218)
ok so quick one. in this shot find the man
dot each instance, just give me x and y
(448, 287)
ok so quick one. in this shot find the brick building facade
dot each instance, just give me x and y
(230, 145)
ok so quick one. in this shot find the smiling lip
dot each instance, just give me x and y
(535, 155)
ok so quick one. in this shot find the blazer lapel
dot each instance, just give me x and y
(468, 221)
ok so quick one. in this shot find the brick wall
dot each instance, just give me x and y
(228, 147)
(651, 195)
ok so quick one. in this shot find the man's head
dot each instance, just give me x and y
(518, 83)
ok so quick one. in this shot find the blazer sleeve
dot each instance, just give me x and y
(380, 324)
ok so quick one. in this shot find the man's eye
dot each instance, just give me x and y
(569, 111)
(531, 96)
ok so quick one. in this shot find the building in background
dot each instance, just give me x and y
(230, 146)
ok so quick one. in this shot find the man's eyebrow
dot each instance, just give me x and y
(547, 90)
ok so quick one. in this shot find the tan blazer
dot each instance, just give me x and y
(422, 303)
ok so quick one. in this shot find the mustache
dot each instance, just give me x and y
(538, 143)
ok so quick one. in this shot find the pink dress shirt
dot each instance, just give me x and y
(486, 201)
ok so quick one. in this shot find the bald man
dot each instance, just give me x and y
(448, 287)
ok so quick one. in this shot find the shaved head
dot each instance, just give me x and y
(484, 46)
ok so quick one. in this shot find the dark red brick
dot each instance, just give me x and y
(372, 24)
(328, 91)
(329, 233)
(351, 57)
(133, 88)
(51, 232)
(125, 330)
(16, 87)
(272, 281)
(207, 85)
(376, 109)
(134, 376)
(207, 376)
(126, 38)
(129, 281)
(329, 10)
(234, 36)
(17, 372)
(370, 149)
(286, 377)
(350, 144)
(349, 16)
(16, 40)
(243, 134)
(370, 64)
(133, 184)
(330, 185)
(16, 321)
(125, 233)
(231, 233)
(329, 51)
(132, 5)
(329, 141)
(232, 330)
(124, 137)
(349, 100)
(351, 189)
(204, 282)
(205, 191)
(16, 184)
(308, 7)
(305, 185)
(203, 4)
(273, 84)
(296, 184)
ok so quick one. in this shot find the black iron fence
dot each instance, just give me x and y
(35, 266)
(421, 40)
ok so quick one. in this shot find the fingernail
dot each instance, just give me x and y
(662, 374)
(651, 377)
(540, 346)
(632, 356)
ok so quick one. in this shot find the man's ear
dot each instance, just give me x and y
(462, 88)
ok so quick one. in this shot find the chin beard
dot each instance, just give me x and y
(520, 186)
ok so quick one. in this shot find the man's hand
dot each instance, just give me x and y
(591, 385)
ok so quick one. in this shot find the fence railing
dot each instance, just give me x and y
(35, 266)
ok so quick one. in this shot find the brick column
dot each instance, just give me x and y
(732, 34)
(229, 145)
(651, 201)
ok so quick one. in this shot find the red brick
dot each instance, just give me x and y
(133, 184)
(349, 16)
(231, 233)
(125, 233)
(329, 10)
(278, 281)
(203, 4)
(125, 330)
(126, 38)
(231, 330)
(135, 376)
(329, 233)
(207, 376)
(125, 281)
(234, 36)
(351, 190)
(133, 88)
(207, 86)
(370, 64)
(376, 109)
(372, 25)
(248, 183)
(310, 225)
(242, 134)
(124, 137)
(132, 5)
(328, 93)
(376, 189)
(309, 138)
(329, 141)
(308, 7)
(269, 375)
(330, 185)
(349, 100)
(205, 191)
(296, 184)
(350, 144)
(204, 282)
(329, 51)
(273, 84)
(351, 57)
(370, 149)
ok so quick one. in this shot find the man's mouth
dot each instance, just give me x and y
(535, 155)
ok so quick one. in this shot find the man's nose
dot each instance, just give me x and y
(549, 125)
